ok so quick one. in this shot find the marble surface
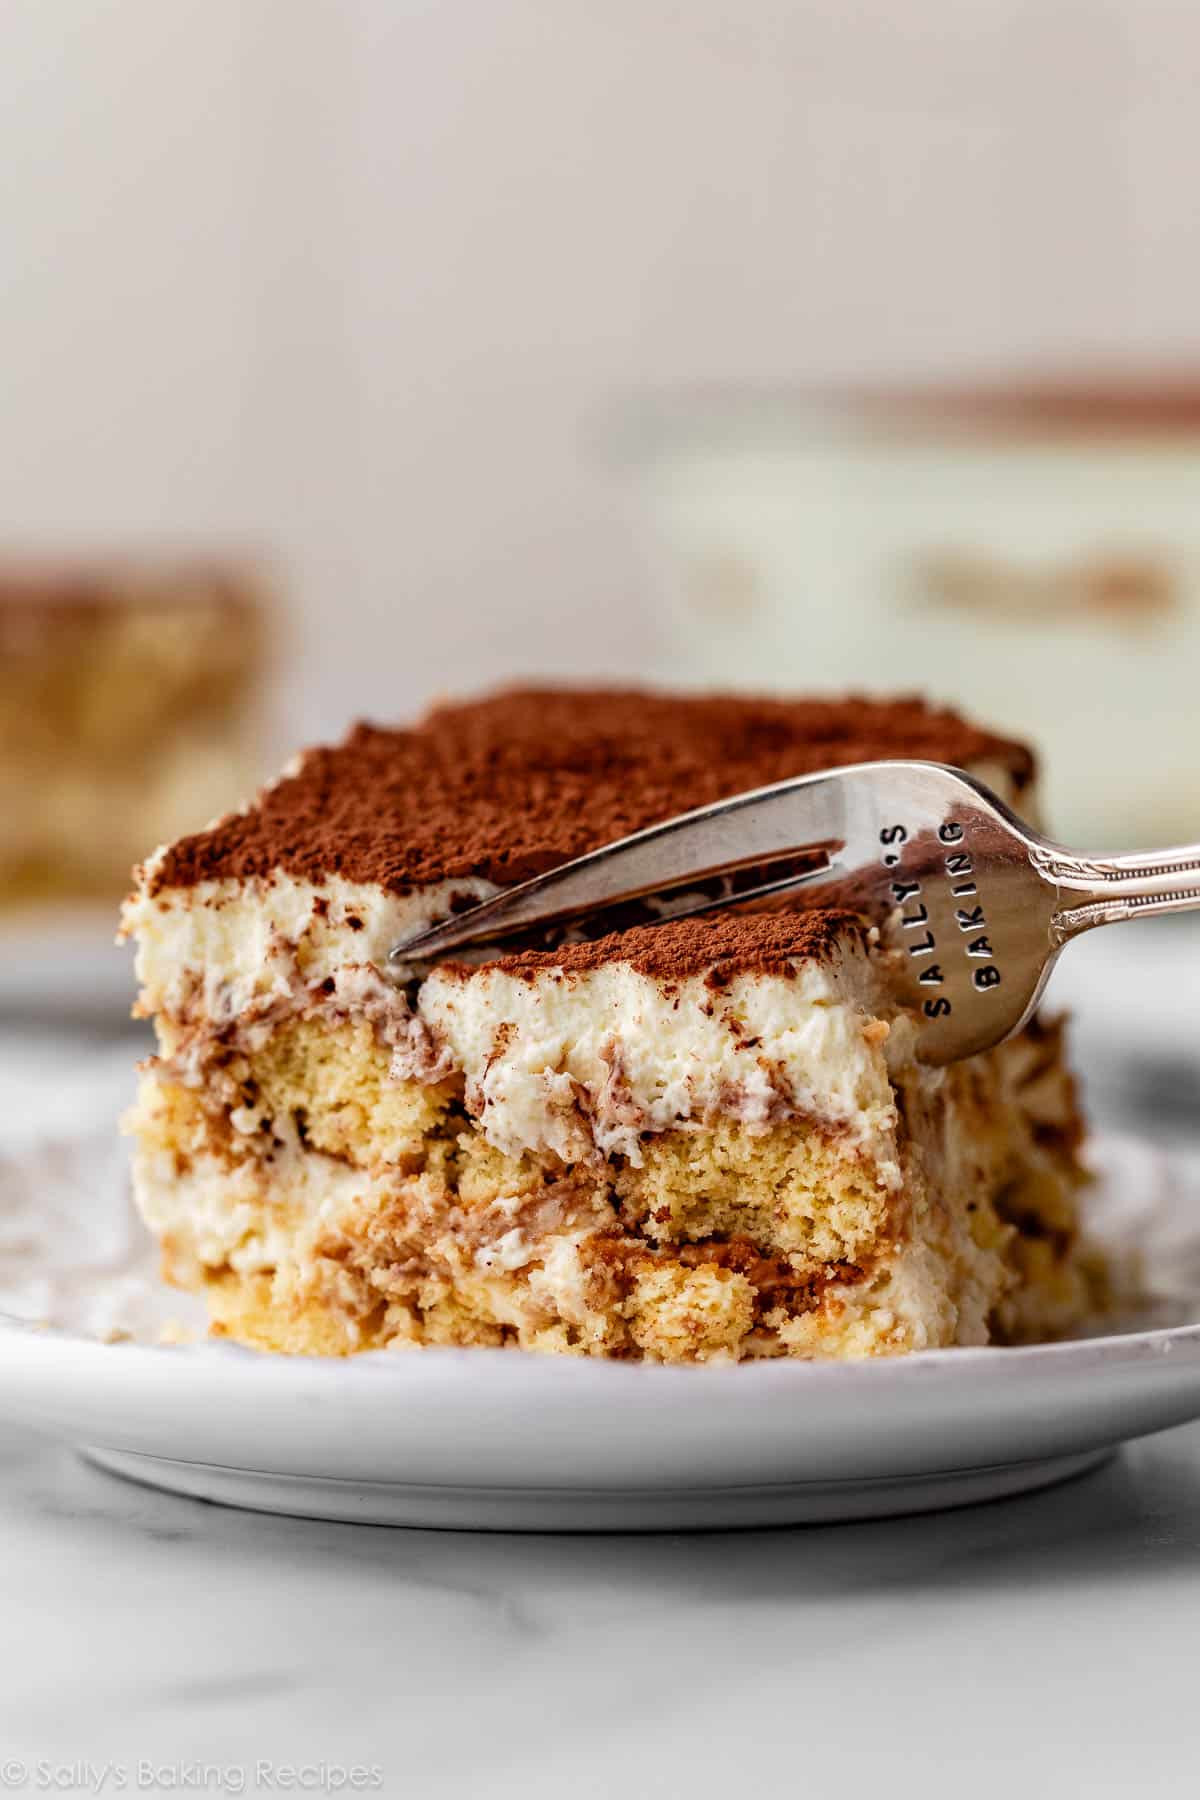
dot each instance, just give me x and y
(1044, 1645)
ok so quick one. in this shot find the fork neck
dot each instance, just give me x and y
(1104, 890)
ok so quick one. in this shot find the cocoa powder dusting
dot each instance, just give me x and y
(507, 786)
(719, 948)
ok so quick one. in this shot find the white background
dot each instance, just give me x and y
(361, 280)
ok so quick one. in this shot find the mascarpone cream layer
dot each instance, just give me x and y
(222, 949)
(570, 1062)
(563, 1062)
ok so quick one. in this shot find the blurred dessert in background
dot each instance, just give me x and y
(128, 711)
(1029, 548)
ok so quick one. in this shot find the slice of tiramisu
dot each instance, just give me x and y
(684, 1141)
(128, 711)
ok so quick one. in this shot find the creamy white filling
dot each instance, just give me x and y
(575, 1062)
(222, 948)
(570, 1063)
(215, 1214)
(553, 1061)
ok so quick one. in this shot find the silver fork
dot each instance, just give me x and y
(979, 903)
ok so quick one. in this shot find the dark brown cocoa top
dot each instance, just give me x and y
(1153, 403)
(1105, 406)
(509, 785)
(718, 948)
(44, 601)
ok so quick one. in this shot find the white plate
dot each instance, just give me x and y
(62, 960)
(497, 1439)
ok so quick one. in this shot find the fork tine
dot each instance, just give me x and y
(689, 904)
(810, 812)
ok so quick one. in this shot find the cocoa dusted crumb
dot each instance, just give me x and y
(772, 1276)
(506, 787)
(719, 948)
(766, 1272)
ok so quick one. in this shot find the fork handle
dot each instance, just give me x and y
(1112, 888)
